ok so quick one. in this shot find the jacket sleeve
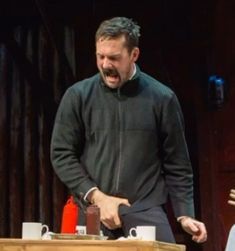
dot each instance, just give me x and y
(67, 144)
(176, 162)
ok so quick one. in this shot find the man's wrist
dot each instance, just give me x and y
(96, 196)
(181, 218)
(88, 195)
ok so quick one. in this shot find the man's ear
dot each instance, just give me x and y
(135, 53)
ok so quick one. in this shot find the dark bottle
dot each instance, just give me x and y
(93, 220)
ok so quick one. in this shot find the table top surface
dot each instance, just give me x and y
(120, 243)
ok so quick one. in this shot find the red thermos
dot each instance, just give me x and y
(69, 217)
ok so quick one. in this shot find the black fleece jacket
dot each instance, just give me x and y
(129, 142)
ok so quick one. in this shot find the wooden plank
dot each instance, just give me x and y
(4, 141)
(16, 150)
(86, 245)
(55, 31)
(30, 124)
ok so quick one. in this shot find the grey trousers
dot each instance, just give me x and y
(155, 216)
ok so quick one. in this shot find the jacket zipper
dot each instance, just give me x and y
(120, 142)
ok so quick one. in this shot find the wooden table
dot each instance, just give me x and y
(85, 245)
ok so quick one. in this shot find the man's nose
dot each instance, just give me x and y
(106, 63)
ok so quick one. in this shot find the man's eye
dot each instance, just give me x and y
(113, 58)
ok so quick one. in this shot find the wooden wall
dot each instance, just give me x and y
(32, 82)
(216, 132)
(45, 46)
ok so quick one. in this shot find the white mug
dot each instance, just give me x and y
(147, 233)
(33, 230)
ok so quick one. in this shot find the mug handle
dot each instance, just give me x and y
(131, 231)
(46, 228)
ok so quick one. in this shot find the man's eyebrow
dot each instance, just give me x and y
(109, 56)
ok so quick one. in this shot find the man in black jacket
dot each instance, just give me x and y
(118, 141)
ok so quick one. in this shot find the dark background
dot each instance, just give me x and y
(45, 46)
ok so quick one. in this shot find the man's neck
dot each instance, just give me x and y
(133, 72)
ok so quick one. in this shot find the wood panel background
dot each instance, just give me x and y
(31, 86)
(45, 46)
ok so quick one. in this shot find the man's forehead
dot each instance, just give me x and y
(110, 46)
(109, 39)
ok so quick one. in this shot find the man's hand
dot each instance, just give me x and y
(108, 208)
(196, 228)
(232, 196)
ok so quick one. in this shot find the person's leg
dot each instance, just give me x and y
(151, 217)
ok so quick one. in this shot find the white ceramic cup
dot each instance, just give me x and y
(147, 233)
(81, 230)
(33, 230)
